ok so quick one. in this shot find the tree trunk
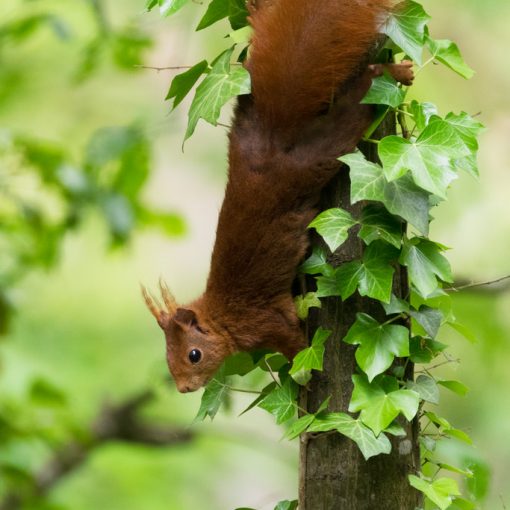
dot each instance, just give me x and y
(333, 473)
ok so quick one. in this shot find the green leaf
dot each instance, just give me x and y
(373, 275)
(459, 434)
(380, 406)
(401, 197)
(220, 85)
(430, 319)
(184, 82)
(281, 402)
(462, 504)
(448, 53)
(376, 281)
(379, 344)
(378, 224)
(214, 395)
(238, 14)
(463, 330)
(240, 363)
(424, 350)
(342, 282)
(440, 491)
(169, 7)
(455, 386)
(368, 443)
(422, 112)
(406, 28)
(333, 225)
(438, 420)
(385, 90)
(263, 394)
(216, 11)
(426, 387)
(304, 303)
(396, 305)
(316, 263)
(286, 505)
(424, 262)
(310, 358)
(367, 178)
(299, 426)
(428, 158)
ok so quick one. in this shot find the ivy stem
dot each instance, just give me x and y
(396, 318)
(424, 65)
(272, 373)
(371, 140)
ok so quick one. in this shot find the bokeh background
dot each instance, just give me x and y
(79, 339)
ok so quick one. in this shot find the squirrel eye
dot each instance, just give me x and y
(195, 356)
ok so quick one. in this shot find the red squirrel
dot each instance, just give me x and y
(308, 63)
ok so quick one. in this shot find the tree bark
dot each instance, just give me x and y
(333, 473)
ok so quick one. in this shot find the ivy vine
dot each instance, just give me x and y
(417, 168)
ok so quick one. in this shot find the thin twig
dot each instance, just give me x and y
(475, 285)
(170, 68)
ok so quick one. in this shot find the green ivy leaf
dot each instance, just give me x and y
(184, 82)
(424, 350)
(396, 305)
(368, 443)
(440, 491)
(214, 395)
(216, 11)
(380, 405)
(462, 504)
(263, 394)
(448, 53)
(343, 281)
(373, 276)
(316, 263)
(428, 158)
(422, 112)
(426, 387)
(281, 402)
(220, 85)
(455, 386)
(385, 90)
(378, 224)
(377, 278)
(310, 358)
(430, 319)
(379, 344)
(401, 197)
(168, 7)
(304, 303)
(333, 225)
(44, 393)
(299, 426)
(286, 505)
(424, 261)
(238, 14)
(406, 28)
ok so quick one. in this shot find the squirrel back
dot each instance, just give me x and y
(308, 65)
(303, 51)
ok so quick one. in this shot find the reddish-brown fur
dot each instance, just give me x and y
(308, 69)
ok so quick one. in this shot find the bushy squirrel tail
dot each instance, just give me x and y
(302, 52)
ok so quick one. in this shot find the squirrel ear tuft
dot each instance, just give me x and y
(155, 308)
(185, 317)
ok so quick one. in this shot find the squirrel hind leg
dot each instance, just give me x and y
(402, 72)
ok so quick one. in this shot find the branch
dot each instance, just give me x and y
(460, 285)
(114, 423)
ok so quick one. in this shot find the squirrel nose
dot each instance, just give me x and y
(183, 388)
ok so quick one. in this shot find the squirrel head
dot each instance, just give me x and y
(193, 351)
